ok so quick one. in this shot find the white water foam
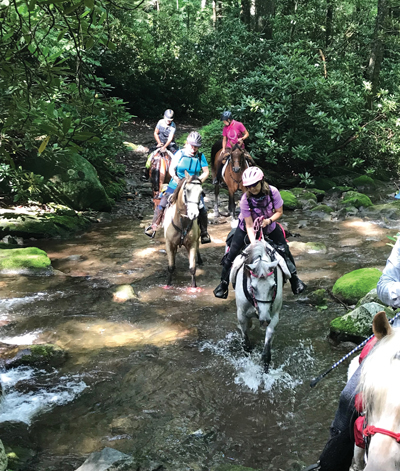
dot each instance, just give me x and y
(20, 406)
(249, 368)
(26, 339)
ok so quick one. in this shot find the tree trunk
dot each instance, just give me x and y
(329, 22)
(264, 12)
(377, 50)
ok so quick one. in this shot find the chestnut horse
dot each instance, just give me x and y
(159, 173)
(234, 167)
(181, 226)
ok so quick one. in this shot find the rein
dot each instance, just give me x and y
(371, 430)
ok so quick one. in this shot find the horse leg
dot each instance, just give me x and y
(216, 204)
(244, 325)
(171, 253)
(266, 354)
(232, 204)
(199, 259)
(192, 263)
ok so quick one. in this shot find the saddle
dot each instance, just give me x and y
(240, 260)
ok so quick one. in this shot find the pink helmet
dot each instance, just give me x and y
(252, 175)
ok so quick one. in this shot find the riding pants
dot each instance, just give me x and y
(173, 147)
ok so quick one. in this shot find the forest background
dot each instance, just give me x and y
(316, 82)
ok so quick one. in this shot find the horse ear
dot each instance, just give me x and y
(381, 326)
(187, 175)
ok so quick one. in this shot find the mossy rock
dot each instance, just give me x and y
(388, 211)
(289, 200)
(322, 208)
(306, 198)
(38, 355)
(3, 457)
(318, 193)
(308, 247)
(353, 198)
(357, 324)
(324, 183)
(356, 284)
(26, 261)
(371, 297)
(19, 457)
(364, 182)
(318, 297)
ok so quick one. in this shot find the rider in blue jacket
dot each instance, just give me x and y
(194, 162)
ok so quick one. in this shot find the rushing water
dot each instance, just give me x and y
(163, 376)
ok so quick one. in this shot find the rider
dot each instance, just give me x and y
(338, 451)
(164, 134)
(259, 199)
(233, 133)
(190, 159)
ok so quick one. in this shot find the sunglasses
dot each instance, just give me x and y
(252, 186)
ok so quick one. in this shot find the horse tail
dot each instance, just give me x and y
(214, 149)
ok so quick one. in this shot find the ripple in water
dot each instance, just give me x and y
(249, 370)
(23, 406)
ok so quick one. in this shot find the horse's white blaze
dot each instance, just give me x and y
(192, 211)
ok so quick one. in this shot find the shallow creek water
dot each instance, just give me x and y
(163, 376)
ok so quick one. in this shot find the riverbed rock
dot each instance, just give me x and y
(38, 226)
(3, 457)
(364, 183)
(318, 193)
(37, 355)
(307, 247)
(319, 297)
(305, 198)
(389, 211)
(353, 198)
(323, 211)
(105, 460)
(27, 261)
(124, 293)
(232, 467)
(356, 284)
(289, 200)
(370, 297)
(19, 457)
(357, 324)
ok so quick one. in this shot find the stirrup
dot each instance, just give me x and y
(313, 467)
(215, 181)
(205, 238)
(221, 291)
(297, 288)
(150, 232)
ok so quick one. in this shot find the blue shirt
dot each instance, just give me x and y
(192, 165)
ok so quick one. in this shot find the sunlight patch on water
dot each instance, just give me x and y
(23, 406)
(249, 370)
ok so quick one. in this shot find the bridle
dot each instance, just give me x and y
(230, 165)
(185, 229)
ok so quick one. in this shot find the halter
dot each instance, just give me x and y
(185, 230)
(371, 430)
(230, 162)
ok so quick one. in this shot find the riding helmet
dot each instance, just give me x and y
(226, 116)
(194, 139)
(169, 115)
(252, 175)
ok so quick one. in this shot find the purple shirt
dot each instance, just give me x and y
(233, 132)
(263, 206)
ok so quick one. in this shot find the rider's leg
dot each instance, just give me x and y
(221, 291)
(173, 147)
(157, 218)
(203, 221)
(277, 236)
(220, 165)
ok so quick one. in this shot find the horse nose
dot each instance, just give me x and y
(236, 169)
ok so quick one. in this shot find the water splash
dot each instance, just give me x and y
(23, 406)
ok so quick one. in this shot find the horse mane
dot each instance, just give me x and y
(214, 149)
(380, 376)
(258, 251)
(175, 194)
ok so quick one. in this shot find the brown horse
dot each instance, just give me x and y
(159, 173)
(235, 166)
(181, 226)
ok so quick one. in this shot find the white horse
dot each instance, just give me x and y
(380, 388)
(258, 283)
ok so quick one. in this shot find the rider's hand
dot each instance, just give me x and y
(266, 222)
(159, 144)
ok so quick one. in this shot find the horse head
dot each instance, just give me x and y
(380, 387)
(237, 159)
(261, 269)
(192, 191)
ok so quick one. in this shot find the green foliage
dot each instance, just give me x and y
(393, 239)
(306, 179)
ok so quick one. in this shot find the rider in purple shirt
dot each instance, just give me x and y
(259, 200)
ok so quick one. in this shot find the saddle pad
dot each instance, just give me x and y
(225, 165)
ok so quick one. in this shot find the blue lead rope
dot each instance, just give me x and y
(316, 380)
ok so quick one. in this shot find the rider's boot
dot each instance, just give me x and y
(203, 220)
(151, 230)
(296, 284)
(221, 291)
(145, 174)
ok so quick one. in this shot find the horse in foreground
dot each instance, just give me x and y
(181, 226)
(159, 173)
(258, 282)
(380, 388)
(232, 173)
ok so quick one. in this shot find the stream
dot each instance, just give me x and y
(163, 376)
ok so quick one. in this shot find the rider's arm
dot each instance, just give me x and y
(156, 137)
(172, 167)
(205, 172)
(389, 283)
(245, 135)
(277, 214)
(170, 138)
(249, 229)
(223, 144)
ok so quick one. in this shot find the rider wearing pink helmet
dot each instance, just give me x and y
(258, 200)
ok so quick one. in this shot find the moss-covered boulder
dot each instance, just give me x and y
(289, 200)
(73, 181)
(319, 297)
(3, 457)
(371, 297)
(364, 182)
(307, 247)
(318, 193)
(388, 211)
(324, 183)
(357, 324)
(37, 355)
(356, 284)
(353, 198)
(41, 225)
(306, 198)
(27, 261)
(322, 210)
